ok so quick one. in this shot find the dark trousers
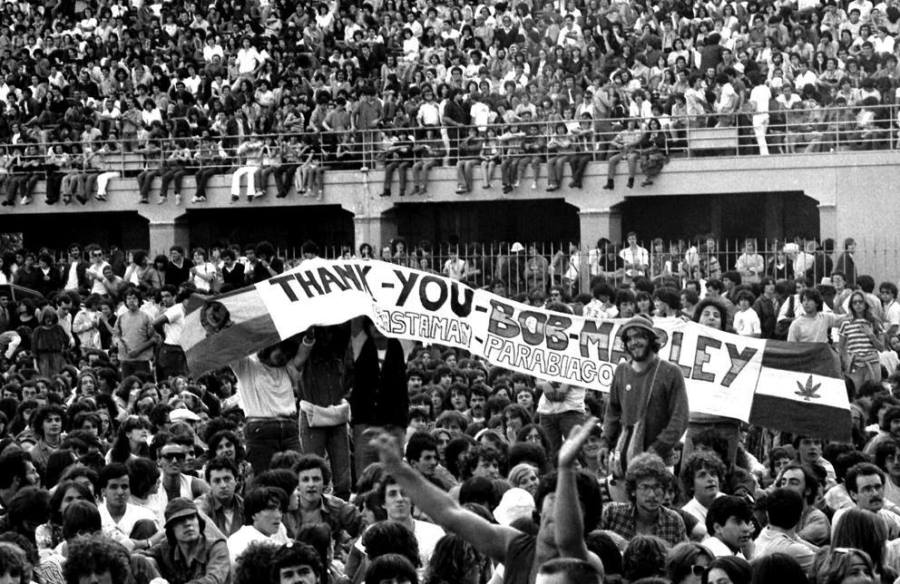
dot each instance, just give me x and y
(145, 180)
(203, 176)
(171, 362)
(173, 173)
(284, 178)
(334, 441)
(266, 436)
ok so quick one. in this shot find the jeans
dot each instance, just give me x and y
(203, 176)
(133, 367)
(171, 362)
(284, 178)
(266, 436)
(335, 441)
(558, 426)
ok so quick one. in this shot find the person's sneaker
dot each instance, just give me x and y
(162, 200)
(177, 199)
(630, 182)
(143, 201)
(235, 198)
(609, 184)
(534, 186)
(26, 200)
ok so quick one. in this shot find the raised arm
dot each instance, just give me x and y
(440, 507)
(569, 522)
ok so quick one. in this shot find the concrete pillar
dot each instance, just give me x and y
(828, 221)
(376, 230)
(597, 223)
(164, 235)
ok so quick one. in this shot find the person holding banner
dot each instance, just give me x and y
(266, 390)
(648, 404)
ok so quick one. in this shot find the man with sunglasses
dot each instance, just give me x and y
(172, 458)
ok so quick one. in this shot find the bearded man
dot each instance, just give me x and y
(648, 405)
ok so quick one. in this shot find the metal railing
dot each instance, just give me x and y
(531, 268)
(794, 131)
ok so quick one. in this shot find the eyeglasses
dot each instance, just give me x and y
(180, 456)
(659, 489)
(698, 570)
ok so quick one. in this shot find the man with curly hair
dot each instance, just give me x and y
(96, 559)
(646, 481)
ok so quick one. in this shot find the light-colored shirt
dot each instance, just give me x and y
(773, 540)
(241, 539)
(121, 530)
(173, 328)
(265, 391)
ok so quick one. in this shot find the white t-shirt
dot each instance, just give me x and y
(760, 95)
(241, 539)
(175, 316)
(265, 391)
(121, 530)
(97, 287)
(746, 323)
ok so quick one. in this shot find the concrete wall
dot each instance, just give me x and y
(855, 192)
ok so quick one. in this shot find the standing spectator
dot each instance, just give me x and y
(654, 414)
(325, 413)
(845, 263)
(49, 342)
(171, 360)
(178, 268)
(135, 336)
(265, 386)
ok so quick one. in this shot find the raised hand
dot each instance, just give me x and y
(389, 452)
(569, 450)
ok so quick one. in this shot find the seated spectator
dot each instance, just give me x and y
(729, 523)
(193, 548)
(814, 526)
(263, 510)
(783, 509)
(646, 480)
(222, 504)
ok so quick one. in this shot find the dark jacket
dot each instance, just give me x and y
(209, 564)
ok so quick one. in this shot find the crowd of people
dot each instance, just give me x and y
(344, 456)
(341, 455)
(516, 85)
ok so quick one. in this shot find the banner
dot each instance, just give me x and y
(722, 371)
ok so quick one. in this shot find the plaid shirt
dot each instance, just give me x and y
(622, 519)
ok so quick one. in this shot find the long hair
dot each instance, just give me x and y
(452, 559)
(866, 311)
(862, 530)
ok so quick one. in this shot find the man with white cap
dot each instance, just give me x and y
(648, 405)
(194, 550)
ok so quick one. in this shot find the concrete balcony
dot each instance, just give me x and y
(854, 193)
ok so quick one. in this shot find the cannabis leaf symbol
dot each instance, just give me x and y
(809, 390)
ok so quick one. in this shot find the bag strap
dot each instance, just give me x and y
(650, 390)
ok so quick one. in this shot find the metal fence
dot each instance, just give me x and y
(528, 267)
(783, 131)
(533, 267)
